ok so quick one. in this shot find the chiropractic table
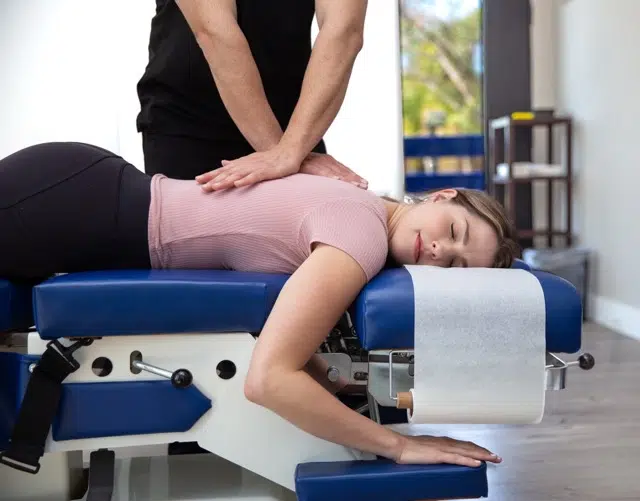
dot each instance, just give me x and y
(99, 362)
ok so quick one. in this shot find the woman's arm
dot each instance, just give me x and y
(307, 308)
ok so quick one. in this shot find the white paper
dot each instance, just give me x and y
(479, 346)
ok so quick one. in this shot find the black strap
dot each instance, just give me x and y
(39, 406)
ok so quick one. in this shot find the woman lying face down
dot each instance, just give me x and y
(70, 207)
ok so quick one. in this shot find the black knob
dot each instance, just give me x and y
(587, 361)
(181, 378)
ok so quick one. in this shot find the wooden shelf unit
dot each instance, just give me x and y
(503, 129)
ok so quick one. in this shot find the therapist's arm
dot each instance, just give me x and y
(215, 26)
(340, 39)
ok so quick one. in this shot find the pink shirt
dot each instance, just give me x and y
(268, 227)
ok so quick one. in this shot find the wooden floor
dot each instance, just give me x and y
(588, 445)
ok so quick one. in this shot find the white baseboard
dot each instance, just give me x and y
(616, 316)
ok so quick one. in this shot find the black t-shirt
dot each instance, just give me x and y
(177, 93)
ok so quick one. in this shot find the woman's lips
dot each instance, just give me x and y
(418, 248)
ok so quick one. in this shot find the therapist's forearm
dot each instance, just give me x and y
(323, 90)
(240, 86)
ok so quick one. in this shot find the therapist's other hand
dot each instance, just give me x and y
(250, 169)
(320, 164)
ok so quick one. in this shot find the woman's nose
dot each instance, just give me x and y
(436, 250)
(439, 250)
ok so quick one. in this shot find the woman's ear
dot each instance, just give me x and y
(446, 194)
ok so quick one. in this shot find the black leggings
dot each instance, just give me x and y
(68, 207)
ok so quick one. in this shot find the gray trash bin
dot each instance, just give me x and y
(572, 264)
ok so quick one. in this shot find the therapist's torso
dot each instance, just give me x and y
(177, 92)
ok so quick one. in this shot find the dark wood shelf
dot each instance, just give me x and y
(509, 121)
(502, 139)
(541, 233)
(529, 179)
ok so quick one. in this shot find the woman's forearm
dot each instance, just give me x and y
(308, 307)
(298, 398)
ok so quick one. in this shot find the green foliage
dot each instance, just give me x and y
(439, 71)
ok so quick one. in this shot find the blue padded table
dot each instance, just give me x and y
(168, 301)
(385, 315)
(15, 306)
(99, 308)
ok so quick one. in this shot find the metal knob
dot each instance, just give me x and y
(180, 378)
(333, 373)
(586, 361)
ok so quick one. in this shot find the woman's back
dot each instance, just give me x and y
(268, 227)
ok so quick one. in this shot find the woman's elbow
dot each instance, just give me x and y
(260, 386)
(254, 390)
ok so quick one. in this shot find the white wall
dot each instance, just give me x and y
(70, 69)
(367, 133)
(598, 72)
(543, 32)
(69, 72)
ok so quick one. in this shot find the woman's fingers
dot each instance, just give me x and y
(475, 453)
(427, 449)
(460, 459)
(470, 446)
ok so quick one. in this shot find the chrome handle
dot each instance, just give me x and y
(180, 378)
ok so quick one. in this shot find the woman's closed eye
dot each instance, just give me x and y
(453, 237)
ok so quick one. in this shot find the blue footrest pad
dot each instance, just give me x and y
(383, 480)
(16, 312)
(111, 409)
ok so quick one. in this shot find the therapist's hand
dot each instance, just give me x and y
(274, 164)
(320, 164)
(250, 169)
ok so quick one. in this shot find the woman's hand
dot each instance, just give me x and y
(437, 450)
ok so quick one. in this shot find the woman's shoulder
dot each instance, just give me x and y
(356, 223)
(330, 191)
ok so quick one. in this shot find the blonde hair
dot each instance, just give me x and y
(493, 213)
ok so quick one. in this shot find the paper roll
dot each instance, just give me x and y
(479, 346)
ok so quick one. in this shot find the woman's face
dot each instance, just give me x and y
(438, 232)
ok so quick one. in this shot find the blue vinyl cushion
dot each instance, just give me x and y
(384, 312)
(384, 480)
(111, 303)
(90, 410)
(15, 306)
(172, 301)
